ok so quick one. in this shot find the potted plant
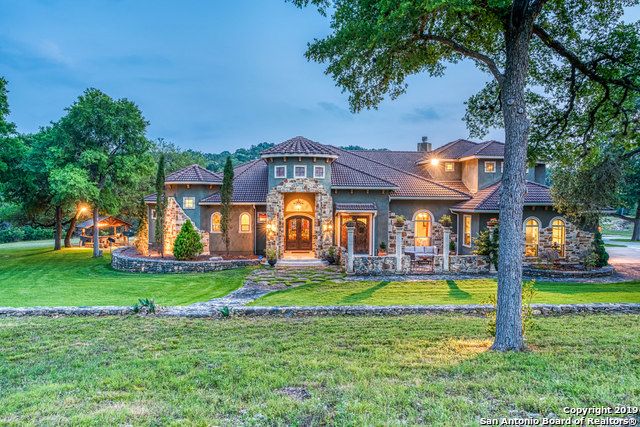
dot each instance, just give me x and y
(383, 249)
(445, 221)
(492, 222)
(272, 256)
(399, 221)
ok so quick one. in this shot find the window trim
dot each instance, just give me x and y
(299, 166)
(277, 168)
(211, 225)
(464, 231)
(563, 248)
(240, 223)
(415, 221)
(493, 162)
(184, 202)
(153, 214)
(324, 171)
(446, 166)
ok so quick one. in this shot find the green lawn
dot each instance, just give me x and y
(32, 274)
(443, 292)
(413, 370)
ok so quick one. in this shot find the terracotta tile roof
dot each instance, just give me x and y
(408, 184)
(298, 145)
(456, 185)
(403, 160)
(488, 199)
(195, 173)
(346, 176)
(355, 207)
(250, 184)
(461, 148)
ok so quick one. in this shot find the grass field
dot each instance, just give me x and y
(475, 291)
(414, 370)
(32, 274)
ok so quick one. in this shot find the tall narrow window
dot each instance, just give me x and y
(422, 228)
(558, 235)
(245, 223)
(531, 236)
(466, 230)
(215, 222)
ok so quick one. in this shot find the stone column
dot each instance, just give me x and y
(350, 232)
(445, 248)
(399, 249)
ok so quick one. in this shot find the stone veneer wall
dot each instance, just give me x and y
(408, 235)
(323, 213)
(380, 265)
(123, 262)
(174, 218)
(465, 264)
(577, 242)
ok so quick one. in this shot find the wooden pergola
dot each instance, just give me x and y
(115, 225)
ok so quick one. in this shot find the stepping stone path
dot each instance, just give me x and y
(266, 280)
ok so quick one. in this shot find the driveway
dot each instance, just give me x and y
(626, 260)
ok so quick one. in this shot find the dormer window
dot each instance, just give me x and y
(489, 167)
(300, 171)
(280, 172)
(449, 166)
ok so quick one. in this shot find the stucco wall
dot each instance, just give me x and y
(470, 174)
(438, 172)
(291, 162)
(198, 191)
(241, 243)
(373, 196)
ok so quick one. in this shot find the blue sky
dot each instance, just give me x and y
(211, 76)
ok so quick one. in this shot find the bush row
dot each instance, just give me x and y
(16, 234)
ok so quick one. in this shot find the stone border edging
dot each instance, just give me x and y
(586, 274)
(321, 311)
(122, 262)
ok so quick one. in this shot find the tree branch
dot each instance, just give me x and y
(457, 47)
(576, 62)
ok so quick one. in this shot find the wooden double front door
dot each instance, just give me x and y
(298, 233)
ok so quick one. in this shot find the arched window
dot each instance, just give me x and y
(531, 235)
(215, 222)
(245, 223)
(558, 235)
(422, 228)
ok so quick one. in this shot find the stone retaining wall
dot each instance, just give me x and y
(380, 265)
(587, 274)
(243, 311)
(463, 264)
(121, 261)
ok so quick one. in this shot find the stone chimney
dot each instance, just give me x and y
(425, 145)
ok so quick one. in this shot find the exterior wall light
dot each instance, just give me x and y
(435, 162)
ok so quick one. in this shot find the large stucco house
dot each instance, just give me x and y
(299, 195)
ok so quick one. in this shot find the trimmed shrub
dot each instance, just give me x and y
(187, 244)
(599, 250)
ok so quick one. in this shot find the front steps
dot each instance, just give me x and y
(301, 263)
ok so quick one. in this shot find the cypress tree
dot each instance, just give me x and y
(161, 204)
(142, 235)
(226, 193)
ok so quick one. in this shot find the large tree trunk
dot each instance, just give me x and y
(509, 334)
(72, 227)
(96, 233)
(636, 225)
(58, 229)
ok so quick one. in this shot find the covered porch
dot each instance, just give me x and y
(111, 231)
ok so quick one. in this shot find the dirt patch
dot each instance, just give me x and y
(296, 393)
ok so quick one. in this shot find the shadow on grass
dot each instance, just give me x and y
(455, 292)
(361, 296)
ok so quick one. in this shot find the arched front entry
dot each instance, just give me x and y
(298, 233)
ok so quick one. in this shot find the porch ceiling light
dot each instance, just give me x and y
(435, 162)
(297, 205)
